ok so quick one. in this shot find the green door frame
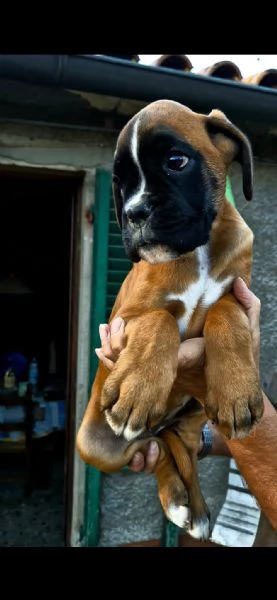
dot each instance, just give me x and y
(100, 211)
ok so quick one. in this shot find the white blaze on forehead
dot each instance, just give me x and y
(205, 289)
(134, 145)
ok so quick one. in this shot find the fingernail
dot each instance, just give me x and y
(116, 325)
(153, 448)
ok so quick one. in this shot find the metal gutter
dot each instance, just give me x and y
(126, 79)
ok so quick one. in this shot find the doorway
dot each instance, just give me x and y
(39, 270)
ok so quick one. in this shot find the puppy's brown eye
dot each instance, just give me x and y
(176, 161)
(116, 180)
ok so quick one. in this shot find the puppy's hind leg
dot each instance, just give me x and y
(185, 467)
(172, 491)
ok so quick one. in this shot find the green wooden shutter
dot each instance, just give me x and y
(110, 266)
(118, 264)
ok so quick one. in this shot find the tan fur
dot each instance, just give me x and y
(146, 381)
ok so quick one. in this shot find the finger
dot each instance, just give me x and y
(250, 302)
(152, 456)
(106, 361)
(116, 324)
(137, 463)
(146, 463)
(252, 305)
(117, 335)
(191, 353)
(104, 334)
(107, 339)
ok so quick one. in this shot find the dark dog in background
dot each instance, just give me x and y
(187, 244)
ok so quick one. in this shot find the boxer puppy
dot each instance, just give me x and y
(187, 244)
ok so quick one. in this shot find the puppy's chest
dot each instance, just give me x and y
(199, 295)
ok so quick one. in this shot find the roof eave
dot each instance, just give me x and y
(125, 79)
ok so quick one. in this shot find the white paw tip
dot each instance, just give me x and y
(200, 529)
(179, 515)
(130, 434)
(117, 429)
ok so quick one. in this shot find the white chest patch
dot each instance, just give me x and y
(205, 290)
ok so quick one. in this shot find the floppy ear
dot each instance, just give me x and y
(234, 145)
(117, 202)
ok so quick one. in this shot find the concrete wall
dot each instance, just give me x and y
(261, 216)
(58, 147)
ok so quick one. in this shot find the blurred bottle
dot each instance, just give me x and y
(9, 377)
(33, 374)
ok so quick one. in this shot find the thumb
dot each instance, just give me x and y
(249, 301)
(243, 293)
(117, 338)
(191, 353)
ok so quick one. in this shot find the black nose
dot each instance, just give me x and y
(137, 215)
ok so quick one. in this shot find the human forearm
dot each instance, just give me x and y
(256, 459)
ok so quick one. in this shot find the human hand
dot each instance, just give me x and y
(252, 306)
(191, 354)
(112, 340)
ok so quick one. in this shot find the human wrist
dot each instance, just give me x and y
(218, 446)
(205, 442)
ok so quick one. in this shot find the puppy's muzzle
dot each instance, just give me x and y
(138, 215)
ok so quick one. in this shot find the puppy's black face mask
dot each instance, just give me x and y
(164, 195)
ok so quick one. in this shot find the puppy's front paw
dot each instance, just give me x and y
(136, 401)
(235, 403)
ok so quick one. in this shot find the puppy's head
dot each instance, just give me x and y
(169, 178)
